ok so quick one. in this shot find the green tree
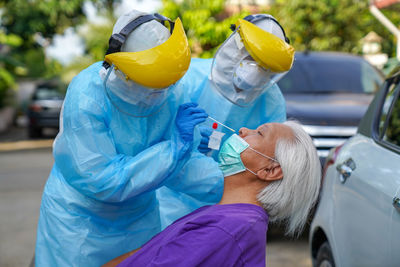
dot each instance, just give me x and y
(206, 23)
(8, 66)
(26, 27)
(37, 21)
(336, 25)
(96, 38)
(372, 24)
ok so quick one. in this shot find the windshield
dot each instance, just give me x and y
(330, 74)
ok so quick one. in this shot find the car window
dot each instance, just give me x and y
(329, 74)
(47, 93)
(387, 104)
(392, 127)
(371, 80)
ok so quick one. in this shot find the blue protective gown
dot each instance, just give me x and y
(99, 201)
(268, 107)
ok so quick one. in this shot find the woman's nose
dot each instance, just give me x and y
(243, 132)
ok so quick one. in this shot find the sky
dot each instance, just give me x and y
(69, 45)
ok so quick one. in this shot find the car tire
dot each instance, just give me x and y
(324, 256)
(35, 132)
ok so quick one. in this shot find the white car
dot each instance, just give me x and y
(357, 221)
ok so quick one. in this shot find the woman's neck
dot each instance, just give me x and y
(241, 188)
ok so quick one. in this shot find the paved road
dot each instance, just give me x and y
(23, 174)
(22, 177)
(17, 133)
(285, 252)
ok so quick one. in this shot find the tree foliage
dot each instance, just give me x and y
(336, 25)
(96, 38)
(27, 27)
(206, 23)
(36, 22)
(8, 66)
(27, 18)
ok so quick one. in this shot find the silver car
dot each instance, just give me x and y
(357, 221)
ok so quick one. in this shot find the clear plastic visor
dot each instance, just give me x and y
(130, 97)
(237, 76)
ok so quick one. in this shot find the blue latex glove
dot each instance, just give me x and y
(188, 116)
(205, 133)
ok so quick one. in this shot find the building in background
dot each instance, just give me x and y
(372, 50)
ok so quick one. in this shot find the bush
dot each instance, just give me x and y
(6, 87)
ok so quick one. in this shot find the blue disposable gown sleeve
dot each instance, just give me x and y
(275, 101)
(199, 177)
(85, 153)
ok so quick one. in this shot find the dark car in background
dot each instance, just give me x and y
(44, 108)
(329, 92)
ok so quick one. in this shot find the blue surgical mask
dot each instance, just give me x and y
(229, 155)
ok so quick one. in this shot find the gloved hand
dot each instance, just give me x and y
(188, 116)
(205, 137)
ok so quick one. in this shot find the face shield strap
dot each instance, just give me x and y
(118, 39)
(151, 113)
(258, 17)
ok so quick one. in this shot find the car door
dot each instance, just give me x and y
(395, 231)
(390, 139)
(363, 201)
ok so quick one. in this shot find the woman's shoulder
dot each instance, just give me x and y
(231, 217)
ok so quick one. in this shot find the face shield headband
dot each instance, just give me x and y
(118, 39)
(169, 60)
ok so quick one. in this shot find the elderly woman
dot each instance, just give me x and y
(271, 174)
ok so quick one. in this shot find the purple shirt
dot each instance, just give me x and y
(218, 235)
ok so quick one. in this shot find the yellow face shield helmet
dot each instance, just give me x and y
(158, 67)
(269, 51)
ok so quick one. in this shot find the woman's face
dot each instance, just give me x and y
(263, 139)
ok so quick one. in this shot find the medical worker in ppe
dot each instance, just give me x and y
(116, 146)
(237, 88)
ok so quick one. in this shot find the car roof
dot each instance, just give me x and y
(326, 55)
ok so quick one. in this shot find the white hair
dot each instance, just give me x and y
(289, 200)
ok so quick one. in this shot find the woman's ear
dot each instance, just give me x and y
(271, 173)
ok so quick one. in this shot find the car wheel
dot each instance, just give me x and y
(35, 132)
(324, 256)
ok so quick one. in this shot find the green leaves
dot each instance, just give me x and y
(25, 18)
(96, 39)
(205, 22)
(6, 83)
(331, 25)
